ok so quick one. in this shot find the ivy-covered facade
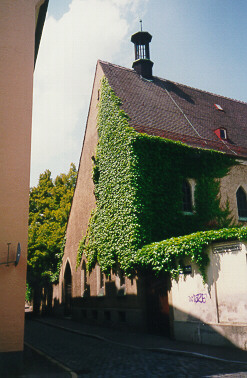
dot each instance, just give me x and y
(138, 188)
(147, 203)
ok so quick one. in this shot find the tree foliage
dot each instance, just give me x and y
(50, 203)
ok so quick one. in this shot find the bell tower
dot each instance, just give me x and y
(142, 64)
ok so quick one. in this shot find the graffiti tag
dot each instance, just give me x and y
(198, 298)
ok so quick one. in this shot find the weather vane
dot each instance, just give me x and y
(141, 24)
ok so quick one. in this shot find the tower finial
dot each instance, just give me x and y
(141, 23)
(142, 64)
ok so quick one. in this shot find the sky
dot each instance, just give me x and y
(200, 43)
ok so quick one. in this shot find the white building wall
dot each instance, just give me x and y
(215, 311)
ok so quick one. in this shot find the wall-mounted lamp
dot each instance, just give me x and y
(18, 255)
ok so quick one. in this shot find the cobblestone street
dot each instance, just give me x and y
(91, 357)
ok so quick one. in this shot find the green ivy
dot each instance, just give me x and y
(168, 255)
(138, 190)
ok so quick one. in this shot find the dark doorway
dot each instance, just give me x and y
(67, 289)
(157, 304)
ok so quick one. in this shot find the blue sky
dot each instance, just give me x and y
(200, 43)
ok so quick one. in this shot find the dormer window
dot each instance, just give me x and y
(218, 107)
(221, 133)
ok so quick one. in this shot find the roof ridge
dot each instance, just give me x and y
(115, 65)
(175, 82)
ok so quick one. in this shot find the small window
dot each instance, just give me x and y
(95, 314)
(218, 107)
(141, 52)
(241, 203)
(187, 197)
(122, 316)
(223, 133)
(107, 315)
(84, 313)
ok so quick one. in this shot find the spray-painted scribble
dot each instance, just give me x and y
(198, 298)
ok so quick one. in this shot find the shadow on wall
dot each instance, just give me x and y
(111, 307)
(195, 331)
(148, 311)
(151, 313)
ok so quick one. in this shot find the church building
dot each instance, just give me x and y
(153, 233)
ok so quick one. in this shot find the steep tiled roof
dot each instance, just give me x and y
(178, 112)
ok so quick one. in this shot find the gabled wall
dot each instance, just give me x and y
(84, 200)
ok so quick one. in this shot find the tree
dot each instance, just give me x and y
(49, 207)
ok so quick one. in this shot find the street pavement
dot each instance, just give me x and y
(78, 350)
(36, 365)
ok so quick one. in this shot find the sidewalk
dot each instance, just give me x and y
(146, 341)
(37, 365)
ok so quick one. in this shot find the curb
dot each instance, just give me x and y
(51, 359)
(156, 350)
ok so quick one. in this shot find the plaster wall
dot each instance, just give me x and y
(192, 300)
(17, 38)
(230, 271)
(217, 307)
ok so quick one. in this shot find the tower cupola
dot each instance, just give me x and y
(142, 64)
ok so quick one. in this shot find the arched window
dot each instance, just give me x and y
(241, 202)
(187, 197)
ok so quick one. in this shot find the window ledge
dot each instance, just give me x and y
(242, 219)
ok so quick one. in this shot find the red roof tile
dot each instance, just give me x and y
(178, 112)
